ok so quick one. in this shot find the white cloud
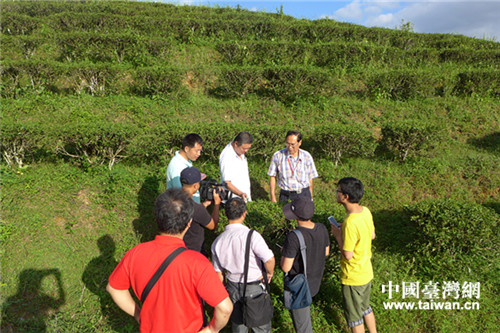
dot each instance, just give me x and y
(351, 11)
(475, 18)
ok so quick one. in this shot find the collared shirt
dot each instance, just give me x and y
(174, 169)
(228, 253)
(174, 304)
(293, 173)
(234, 168)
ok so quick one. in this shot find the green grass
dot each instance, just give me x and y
(60, 218)
(66, 223)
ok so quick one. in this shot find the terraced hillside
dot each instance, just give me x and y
(96, 96)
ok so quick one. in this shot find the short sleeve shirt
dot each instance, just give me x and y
(228, 253)
(195, 235)
(293, 173)
(174, 169)
(234, 168)
(357, 232)
(317, 240)
(174, 304)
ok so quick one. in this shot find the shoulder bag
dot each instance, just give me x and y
(257, 310)
(297, 293)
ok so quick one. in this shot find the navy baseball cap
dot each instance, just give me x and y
(191, 176)
(301, 208)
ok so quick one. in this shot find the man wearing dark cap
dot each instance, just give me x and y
(195, 235)
(317, 241)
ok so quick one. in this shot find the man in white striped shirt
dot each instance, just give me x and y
(294, 168)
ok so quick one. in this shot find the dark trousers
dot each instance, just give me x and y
(292, 195)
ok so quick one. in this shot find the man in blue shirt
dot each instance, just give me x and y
(192, 145)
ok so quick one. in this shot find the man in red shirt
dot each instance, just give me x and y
(174, 303)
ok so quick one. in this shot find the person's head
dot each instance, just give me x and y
(191, 178)
(235, 208)
(301, 209)
(350, 187)
(242, 143)
(173, 211)
(192, 145)
(293, 141)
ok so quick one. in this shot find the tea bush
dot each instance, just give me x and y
(19, 141)
(336, 140)
(403, 84)
(479, 82)
(93, 143)
(455, 238)
(405, 138)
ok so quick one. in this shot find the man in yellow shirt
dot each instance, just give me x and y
(355, 241)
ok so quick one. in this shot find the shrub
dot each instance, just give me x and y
(268, 139)
(93, 143)
(156, 144)
(336, 140)
(454, 237)
(286, 84)
(19, 141)
(480, 82)
(155, 80)
(403, 84)
(409, 137)
(88, 77)
(237, 82)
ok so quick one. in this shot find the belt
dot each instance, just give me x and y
(295, 192)
(248, 283)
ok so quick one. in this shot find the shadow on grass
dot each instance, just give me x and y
(394, 231)
(493, 205)
(27, 310)
(95, 277)
(489, 143)
(145, 226)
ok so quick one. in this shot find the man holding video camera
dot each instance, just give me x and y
(234, 166)
(195, 236)
(190, 151)
(294, 169)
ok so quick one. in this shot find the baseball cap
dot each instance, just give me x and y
(191, 175)
(299, 209)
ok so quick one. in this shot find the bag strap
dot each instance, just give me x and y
(247, 261)
(303, 248)
(159, 272)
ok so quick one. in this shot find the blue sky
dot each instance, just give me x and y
(474, 18)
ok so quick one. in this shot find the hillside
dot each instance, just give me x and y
(96, 96)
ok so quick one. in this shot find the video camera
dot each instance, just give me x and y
(208, 186)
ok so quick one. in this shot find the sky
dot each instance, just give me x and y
(473, 18)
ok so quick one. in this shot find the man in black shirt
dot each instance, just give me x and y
(317, 242)
(195, 236)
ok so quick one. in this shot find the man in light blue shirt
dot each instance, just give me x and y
(192, 145)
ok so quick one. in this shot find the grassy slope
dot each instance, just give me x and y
(60, 219)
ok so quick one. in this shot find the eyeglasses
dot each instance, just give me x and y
(291, 144)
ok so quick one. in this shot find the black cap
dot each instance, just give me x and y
(301, 208)
(191, 176)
